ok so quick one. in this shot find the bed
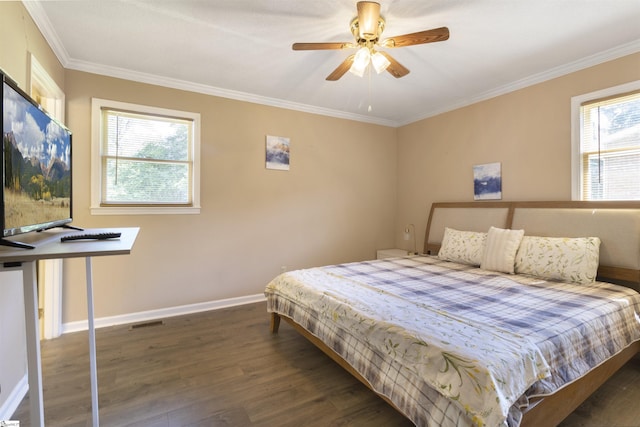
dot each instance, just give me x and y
(513, 315)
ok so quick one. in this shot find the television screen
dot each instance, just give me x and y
(36, 162)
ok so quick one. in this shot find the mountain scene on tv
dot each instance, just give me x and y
(37, 176)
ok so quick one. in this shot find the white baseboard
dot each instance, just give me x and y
(15, 398)
(144, 316)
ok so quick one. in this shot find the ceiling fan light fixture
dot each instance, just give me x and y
(361, 61)
(367, 28)
(379, 62)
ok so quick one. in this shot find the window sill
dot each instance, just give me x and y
(145, 210)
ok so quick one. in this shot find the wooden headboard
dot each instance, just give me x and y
(617, 224)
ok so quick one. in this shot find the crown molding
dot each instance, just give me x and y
(41, 20)
(44, 25)
(581, 64)
(140, 77)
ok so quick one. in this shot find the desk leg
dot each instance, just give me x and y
(92, 345)
(30, 288)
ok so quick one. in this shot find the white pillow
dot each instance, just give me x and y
(500, 249)
(465, 247)
(573, 260)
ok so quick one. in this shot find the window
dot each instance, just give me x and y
(144, 159)
(45, 91)
(606, 146)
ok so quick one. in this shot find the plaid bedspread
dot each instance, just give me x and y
(443, 340)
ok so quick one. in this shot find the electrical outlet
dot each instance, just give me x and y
(283, 269)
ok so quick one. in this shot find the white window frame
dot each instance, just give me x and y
(45, 91)
(576, 129)
(97, 105)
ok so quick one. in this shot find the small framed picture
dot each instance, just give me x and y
(487, 182)
(277, 153)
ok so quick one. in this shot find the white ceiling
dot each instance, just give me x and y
(241, 49)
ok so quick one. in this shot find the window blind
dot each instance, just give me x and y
(610, 148)
(146, 159)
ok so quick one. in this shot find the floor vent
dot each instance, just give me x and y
(146, 324)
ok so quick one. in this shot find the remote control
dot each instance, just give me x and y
(90, 236)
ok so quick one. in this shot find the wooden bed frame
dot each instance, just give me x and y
(617, 224)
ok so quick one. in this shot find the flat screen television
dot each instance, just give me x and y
(36, 167)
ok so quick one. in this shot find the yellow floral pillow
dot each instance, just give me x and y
(573, 260)
(465, 247)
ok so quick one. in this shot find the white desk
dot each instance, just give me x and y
(48, 246)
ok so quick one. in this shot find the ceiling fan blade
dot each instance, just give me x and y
(321, 46)
(368, 17)
(395, 68)
(342, 68)
(421, 37)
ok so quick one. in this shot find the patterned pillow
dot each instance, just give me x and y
(500, 249)
(573, 260)
(465, 247)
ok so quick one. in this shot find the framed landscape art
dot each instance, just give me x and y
(277, 153)
(487, 182)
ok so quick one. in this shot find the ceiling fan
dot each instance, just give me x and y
(367, 28)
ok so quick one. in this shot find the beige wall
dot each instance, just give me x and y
(528, 131)
(336, 204)
(18, 38)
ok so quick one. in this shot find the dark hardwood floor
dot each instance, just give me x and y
(224, 368)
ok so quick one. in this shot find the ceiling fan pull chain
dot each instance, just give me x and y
(369, 72)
